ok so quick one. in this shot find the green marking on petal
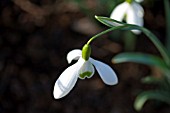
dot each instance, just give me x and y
(85, 74)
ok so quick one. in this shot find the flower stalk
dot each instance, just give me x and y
(167, 15)
(104, 32)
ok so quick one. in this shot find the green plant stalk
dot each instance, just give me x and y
(146, 59)
(129, 41)
(156, 42)
(167, 16)
(104, 32)
(113, 23)
(109, 22)
(160, 95)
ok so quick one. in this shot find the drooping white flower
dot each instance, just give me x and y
(132, 12)
(81, 69)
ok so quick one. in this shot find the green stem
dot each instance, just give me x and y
(167, 16)
(104, 32)
(129, 41)
(157, 43)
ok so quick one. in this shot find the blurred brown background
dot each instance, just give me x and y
(35, 37)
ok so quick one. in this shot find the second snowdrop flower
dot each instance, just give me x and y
(131, 11)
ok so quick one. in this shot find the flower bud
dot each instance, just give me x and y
(86, 52)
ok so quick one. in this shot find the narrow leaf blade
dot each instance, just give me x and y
(108, 21)
(146, 95)
(152, 80)
(112, 23)
(140, 58)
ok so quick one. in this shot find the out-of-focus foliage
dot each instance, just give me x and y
(162, 91)
(93, 7)
(34, 37)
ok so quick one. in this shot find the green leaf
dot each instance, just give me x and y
(162, 82)
(109, 22)
(113, 23)
(167, 17)
(140, 58)
(152, 80)
(146, 95)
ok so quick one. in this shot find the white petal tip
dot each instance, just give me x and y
(73, 55)
(57, 97)
(69, 61)
(137, 32)
(111, 81)
(57, 93)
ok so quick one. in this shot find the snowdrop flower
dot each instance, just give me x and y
(83, 68)
(131, 11)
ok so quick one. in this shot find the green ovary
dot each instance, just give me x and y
(129, 1)
(86, 51)
(85, 74)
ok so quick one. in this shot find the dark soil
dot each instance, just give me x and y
(34, 42)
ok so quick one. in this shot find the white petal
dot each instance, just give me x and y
(108, 76)
(73, 55)
(87, 69)
(120, 11)
(135, 16)
(139, 1)
(66, 81)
